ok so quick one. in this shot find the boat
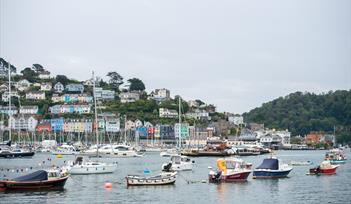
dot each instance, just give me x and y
(270, 168)
(215, 148)
(65, 150)
(38, 180)
(335, 156)
(169, 152)
(164, 178)
(91, 167)
(300, 163)
(120, 150)
(79, 167)
(326, 167)
(230, 170)
(178, 163)
(7, 152)
(246, 151)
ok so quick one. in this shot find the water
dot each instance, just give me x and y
(298, 188)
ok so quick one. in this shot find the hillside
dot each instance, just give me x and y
(302, 113)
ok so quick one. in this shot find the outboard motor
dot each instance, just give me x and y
(79, 160)
(167, 168)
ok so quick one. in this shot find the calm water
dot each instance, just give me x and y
(298, 188)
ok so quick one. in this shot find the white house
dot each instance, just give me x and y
(5, 110)
(193, 104)
(88, 82)
(46, 86)
(28, 109)
(3, 88)
(75, 88)
(160, 95)
(236, 119)
(199, 114)
(59, 87)
(23, 85)
(5, 95)
(167, 113)
(35, 95)
(44, 75)
(128, 97)
(112, 124)
(138, 123)
(129, 124)
(25, 123)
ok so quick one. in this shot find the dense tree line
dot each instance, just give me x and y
(303, 113)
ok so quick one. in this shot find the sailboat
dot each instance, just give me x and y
(91, 167)
(7, 151)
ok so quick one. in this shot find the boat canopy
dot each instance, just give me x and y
(39, 175)
(269, 163)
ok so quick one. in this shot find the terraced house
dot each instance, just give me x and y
(75, 88)
(24, 123)
(72, 98)
(35, 95)
(62, 109)
(28, 109)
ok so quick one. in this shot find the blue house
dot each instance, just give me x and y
(75, 88)
(167, 132)
(57, 124)
(142, 132)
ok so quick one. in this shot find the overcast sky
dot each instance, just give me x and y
(236, 54)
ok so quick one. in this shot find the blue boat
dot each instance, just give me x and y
(270, 168)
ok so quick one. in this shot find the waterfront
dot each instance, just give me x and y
(189, 188)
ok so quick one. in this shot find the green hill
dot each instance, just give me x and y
(303, 113)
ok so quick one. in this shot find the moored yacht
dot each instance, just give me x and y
(90, 167)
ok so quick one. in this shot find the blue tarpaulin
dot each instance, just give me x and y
(39, 175)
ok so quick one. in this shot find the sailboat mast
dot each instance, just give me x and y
(125, 129)
(180, 125)
(96, 121)
(10, 113)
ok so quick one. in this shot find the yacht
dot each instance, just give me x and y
(119, 150)
(178, 163)
(80, 167)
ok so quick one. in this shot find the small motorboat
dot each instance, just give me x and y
(165, 178)
(301, 163)
(80, 167)
(15, 153)
(270, 168)
(178, 163)
(324, 168)
(38, 180)
(335, 156)
(230, 170)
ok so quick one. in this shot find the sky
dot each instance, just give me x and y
(235, 54)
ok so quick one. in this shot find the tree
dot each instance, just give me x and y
(62, 79)
(136, 84)
(5, 65)
(29, 74)
(115, 80)
(38, 68)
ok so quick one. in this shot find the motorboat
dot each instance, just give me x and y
(38, 180)
(230, 170)
(80, 167)
(336, 156)
(164, 178)
(246, 151)
(301, 163)
(8, 152)
(326, 167)
(65, 150)
(178, 163)
(169, 152)
(120, 150)
(270, 168)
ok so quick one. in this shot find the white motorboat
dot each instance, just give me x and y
(90, 167)
(118, 151)
(169, 152)
(178, 163)
(65, 150)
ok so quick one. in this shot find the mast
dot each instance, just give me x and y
(180, 125)
(96, 121)
(10, 114)
(125, 129)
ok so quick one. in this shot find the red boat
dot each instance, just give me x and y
(39, 180)
(324, 168)
(230, 170)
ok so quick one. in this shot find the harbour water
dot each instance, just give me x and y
(189, 188)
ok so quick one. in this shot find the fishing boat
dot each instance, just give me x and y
(80, 167)
(164, 178)
(270, 168)
(326, 167)
(336, 156)
(38, 180)
(178, 163)
(230, 170)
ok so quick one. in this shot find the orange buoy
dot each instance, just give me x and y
(108, 185)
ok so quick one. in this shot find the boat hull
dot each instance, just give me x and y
(84, 170)
(337, 161)
(205, 154)
(233, 177)
(16, 154)
(268, 174)
(54, 184)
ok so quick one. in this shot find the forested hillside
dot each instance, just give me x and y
(302, 113)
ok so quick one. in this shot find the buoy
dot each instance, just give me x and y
(59, 156)
(108, 185)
